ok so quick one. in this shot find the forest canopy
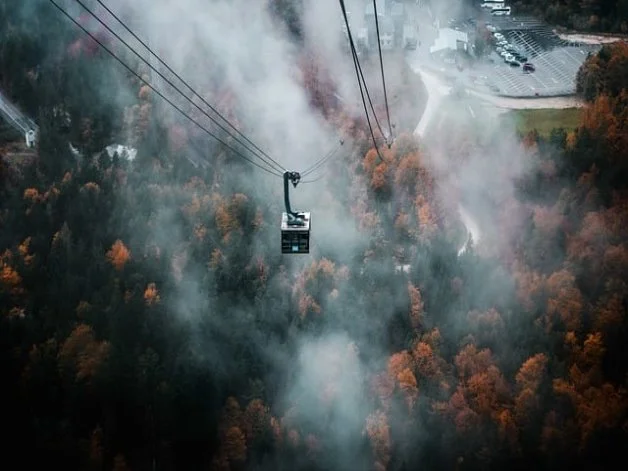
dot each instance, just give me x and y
(148, 320)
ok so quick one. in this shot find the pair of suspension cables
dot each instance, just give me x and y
(246, 150)
(362, 82)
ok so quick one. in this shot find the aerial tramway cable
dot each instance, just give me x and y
(278, 166)
(295, 226)
(319, 178)
(322, 161)
(358, 69)
(381, 66)
(273, 164)
(356, 61)
(161, 95)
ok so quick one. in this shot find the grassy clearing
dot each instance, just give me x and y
(545, 120)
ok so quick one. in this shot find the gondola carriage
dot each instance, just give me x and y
(295, 225)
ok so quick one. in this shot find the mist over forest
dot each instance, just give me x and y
(149, 321)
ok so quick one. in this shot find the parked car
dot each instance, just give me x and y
(527, 67)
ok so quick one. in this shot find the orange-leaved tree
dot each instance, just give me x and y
(118, 255)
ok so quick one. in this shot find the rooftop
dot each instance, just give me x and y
(123, 151)
(286, 227)
(448, 39)
(381, 8)
(387, 26)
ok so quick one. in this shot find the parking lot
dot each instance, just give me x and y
(556, 61)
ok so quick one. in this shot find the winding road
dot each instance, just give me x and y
(436, 91)
(18, 120)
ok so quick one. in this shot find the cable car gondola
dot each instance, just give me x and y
(295, 226)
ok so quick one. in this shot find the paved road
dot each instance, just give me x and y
(15, 117)
(436, 91)
(590, 38)
(558, 102)
(472, 229)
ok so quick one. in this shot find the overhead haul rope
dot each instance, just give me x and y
(381, 66)
(167, 100)
(356, 60)
(358, 72)
(273, 164)
(278, 166)
(322, 161)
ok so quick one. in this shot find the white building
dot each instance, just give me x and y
(450, 40)
(391, 16)
(490, 4)
(369, 12)
(124, 152)
(387, 33)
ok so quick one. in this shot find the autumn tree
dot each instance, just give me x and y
(378, 432)
(256, 418)
(429, 364)
(234, 445)
(235, 215)
(604, 72)
(428, 223)
(401, 371)
(600, 141)
(118, 255)
(488, 326)
(530, 286)
(151, 295)
(82, 356)
(609, 313)
(459, 412)
(318, 284)
(565, 301)
(119, 463)
(233, 441)
(96, 449)
(407, 173)
(482, 393)
(10, 279)
(416, 307)
(137, 117)
(528, 381)
(599, 405)
(470, 360)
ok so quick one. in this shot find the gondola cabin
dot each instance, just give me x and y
(295, 238)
